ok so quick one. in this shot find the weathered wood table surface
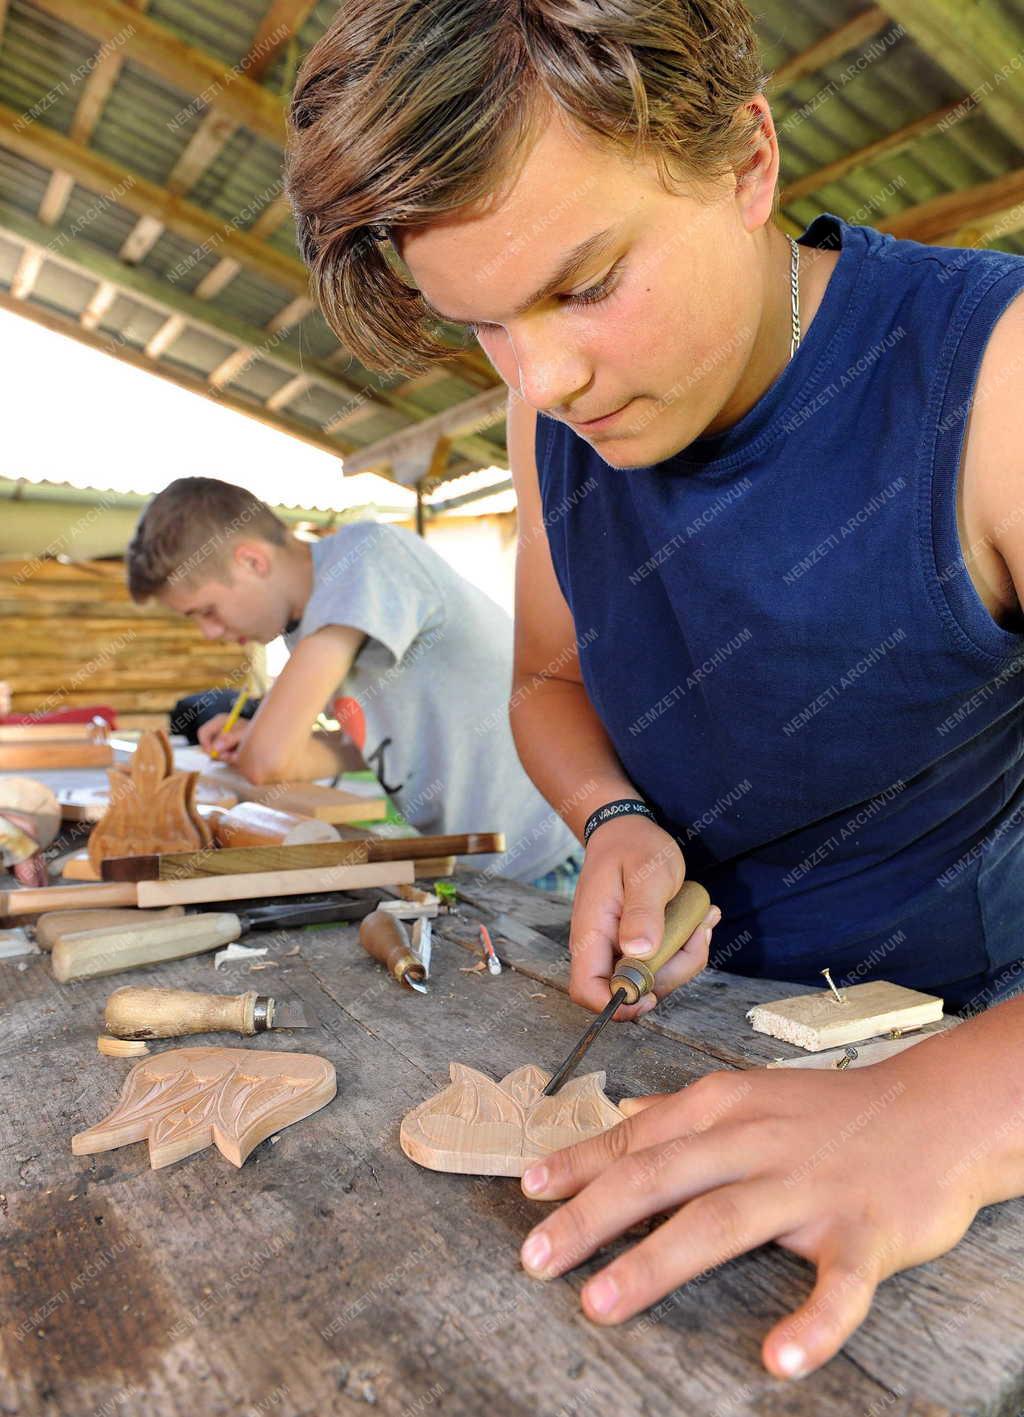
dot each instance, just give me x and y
(331, 1274)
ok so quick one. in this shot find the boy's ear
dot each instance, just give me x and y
(253, 557)
(757, 179)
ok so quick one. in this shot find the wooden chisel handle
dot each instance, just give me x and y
(91, 953)
(683, 914)
(384, 939)
(170, 1013)
(33, 900)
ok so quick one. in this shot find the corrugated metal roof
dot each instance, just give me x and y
(886, 79)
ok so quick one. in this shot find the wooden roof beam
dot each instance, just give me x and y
(113, 275)
(976, 46)
(831, 47)
(965, 218)
(49, 148)
(892, 143)
(408, 452)
(210, 86)
(26, 273)
(306, 432)
(216, 129)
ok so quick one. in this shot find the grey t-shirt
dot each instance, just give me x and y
(426, 700)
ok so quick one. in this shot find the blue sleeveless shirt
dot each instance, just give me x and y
(778, 631)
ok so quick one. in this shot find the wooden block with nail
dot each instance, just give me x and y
(820, 1020)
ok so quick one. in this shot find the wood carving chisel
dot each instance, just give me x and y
(89, 954)
(171, 1013)
(633, 978)
(384, 939)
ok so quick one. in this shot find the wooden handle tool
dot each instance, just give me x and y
(91, 953)
(171, 1013)
(383, 937)
(633, 978)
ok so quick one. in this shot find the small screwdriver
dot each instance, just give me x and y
(633, 978)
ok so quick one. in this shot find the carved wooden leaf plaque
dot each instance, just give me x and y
(185, 1099)
(486, 1128)
(152, 807)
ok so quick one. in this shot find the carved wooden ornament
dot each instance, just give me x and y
(484, 1128)
(152, 808)
(187, 1098)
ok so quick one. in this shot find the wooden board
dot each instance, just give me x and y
(179, 866)
(818, 1021)
(479, 1127)
(306, 799)
(186, 1099)
(45, 732)
(265, 883)
(54, 754)
(89, 804)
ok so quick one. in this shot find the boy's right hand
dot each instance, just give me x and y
(212, 738)
(631, 870)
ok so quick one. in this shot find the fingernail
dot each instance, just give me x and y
(602, 1294)
(716, 916)
(536, 1251)
(637, 947)
(648, 1004)
(792, 1359)
(535, 1179)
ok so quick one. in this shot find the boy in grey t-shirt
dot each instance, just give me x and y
(413, 661)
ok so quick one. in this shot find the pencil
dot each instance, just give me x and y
(232, 717)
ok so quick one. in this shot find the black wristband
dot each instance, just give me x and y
(621, 807)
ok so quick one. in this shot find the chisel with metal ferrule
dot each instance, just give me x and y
(633, 978)
(171, 1013)
(384, 939)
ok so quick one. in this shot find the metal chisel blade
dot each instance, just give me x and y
(291, 1015)
(581, 1047)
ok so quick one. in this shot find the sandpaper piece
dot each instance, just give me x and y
(187, 1098)
(480, 1127)
(152, 807)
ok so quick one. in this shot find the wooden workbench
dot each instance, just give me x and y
(330, 1274)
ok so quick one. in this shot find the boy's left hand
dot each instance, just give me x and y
(863, 1172)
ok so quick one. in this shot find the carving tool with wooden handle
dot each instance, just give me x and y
(171, 1013)
(633, 978)
(384, 939)
(90, 954)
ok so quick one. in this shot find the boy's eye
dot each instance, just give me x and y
(590, 296)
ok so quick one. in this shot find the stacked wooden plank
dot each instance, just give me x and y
(72, 636)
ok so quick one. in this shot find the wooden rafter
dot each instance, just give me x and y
(969, 217)
(974, 44)
(207, 83)
(831, 47)
(308, 433)
(216, 129)
(254, 343)
(115, 183)
(410, 452)
(82, 256)
(894, 142)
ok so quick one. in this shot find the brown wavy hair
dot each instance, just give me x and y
(407, 110)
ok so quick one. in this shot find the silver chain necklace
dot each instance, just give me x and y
(794, 292)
